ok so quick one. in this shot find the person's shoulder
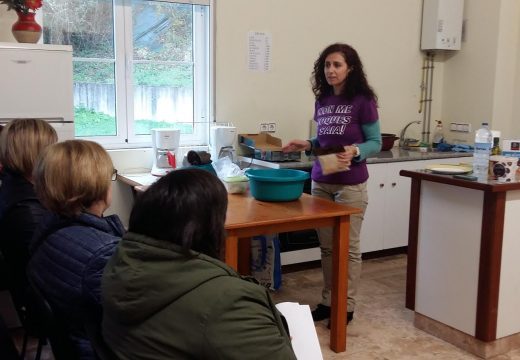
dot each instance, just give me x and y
(16, 190)
(237, 287)
(364, 102)
(24, 216)
(363, 98)
(83, 238)
(103, 228)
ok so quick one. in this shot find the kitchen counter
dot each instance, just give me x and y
(393, 155)
(462, 277)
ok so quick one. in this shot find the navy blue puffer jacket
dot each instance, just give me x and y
(20, 215)
(67, 262)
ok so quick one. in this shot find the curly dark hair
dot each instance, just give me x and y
(356, 82)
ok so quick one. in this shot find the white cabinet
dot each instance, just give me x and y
(37, 83)
(385, 225)
(386, 219)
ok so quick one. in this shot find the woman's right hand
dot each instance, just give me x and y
(296, 145)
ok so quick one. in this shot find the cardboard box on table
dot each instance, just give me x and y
(264, 146)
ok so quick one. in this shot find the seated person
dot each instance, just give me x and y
(70, 250)
(21, 142)
(166, 294)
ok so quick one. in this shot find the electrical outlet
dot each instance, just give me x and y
(272, 127)
(264, 127)
(453, 127)
(460, 127)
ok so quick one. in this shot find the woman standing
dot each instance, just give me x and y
(346, 116)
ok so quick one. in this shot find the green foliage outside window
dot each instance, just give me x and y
(144, 74)
(161, 75)
(89, 122)
(162, 33)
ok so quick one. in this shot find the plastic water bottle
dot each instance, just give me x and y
(483, 144)
(438, 136)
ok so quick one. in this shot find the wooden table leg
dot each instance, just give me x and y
(231, 257)
(244, 256)
(338, 318)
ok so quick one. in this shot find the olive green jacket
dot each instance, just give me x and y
(161, 304)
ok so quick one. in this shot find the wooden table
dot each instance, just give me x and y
(248, 217)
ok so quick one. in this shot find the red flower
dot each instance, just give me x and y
(33, 4)
(23, 6)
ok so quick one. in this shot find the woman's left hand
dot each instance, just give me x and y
(351, 150)
(345, 157)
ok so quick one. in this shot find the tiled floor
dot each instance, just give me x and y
(382, 328)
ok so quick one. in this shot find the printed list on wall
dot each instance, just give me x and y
(259, 51)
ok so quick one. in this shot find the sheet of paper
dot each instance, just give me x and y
(303, 333)
(259, 51)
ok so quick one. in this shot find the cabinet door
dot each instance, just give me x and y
(36, 83)
(386, 220)
(372, 229)
(397, 204)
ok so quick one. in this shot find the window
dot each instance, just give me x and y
(138, 64)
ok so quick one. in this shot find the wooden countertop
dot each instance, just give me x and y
(489, 185)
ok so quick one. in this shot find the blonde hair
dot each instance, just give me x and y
(22, 141)
(72, 175)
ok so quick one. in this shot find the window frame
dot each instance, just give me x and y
(203, 77)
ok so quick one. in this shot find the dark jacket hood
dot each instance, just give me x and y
(146, 275)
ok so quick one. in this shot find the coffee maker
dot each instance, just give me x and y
(221, 140)
(165, 143)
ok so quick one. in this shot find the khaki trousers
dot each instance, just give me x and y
(355, 196)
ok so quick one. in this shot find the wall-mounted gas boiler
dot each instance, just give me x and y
(442, 24)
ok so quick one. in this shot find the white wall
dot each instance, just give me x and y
(515, 120)
(386, 35)
(508, 58)
(480, 80)
(7, 19)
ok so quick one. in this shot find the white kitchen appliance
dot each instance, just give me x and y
(221, 141)
(442, 24)
(165, 143)
(37, 83)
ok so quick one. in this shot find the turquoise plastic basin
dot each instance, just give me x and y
(276, 184)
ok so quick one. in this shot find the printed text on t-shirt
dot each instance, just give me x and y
(333, 124)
